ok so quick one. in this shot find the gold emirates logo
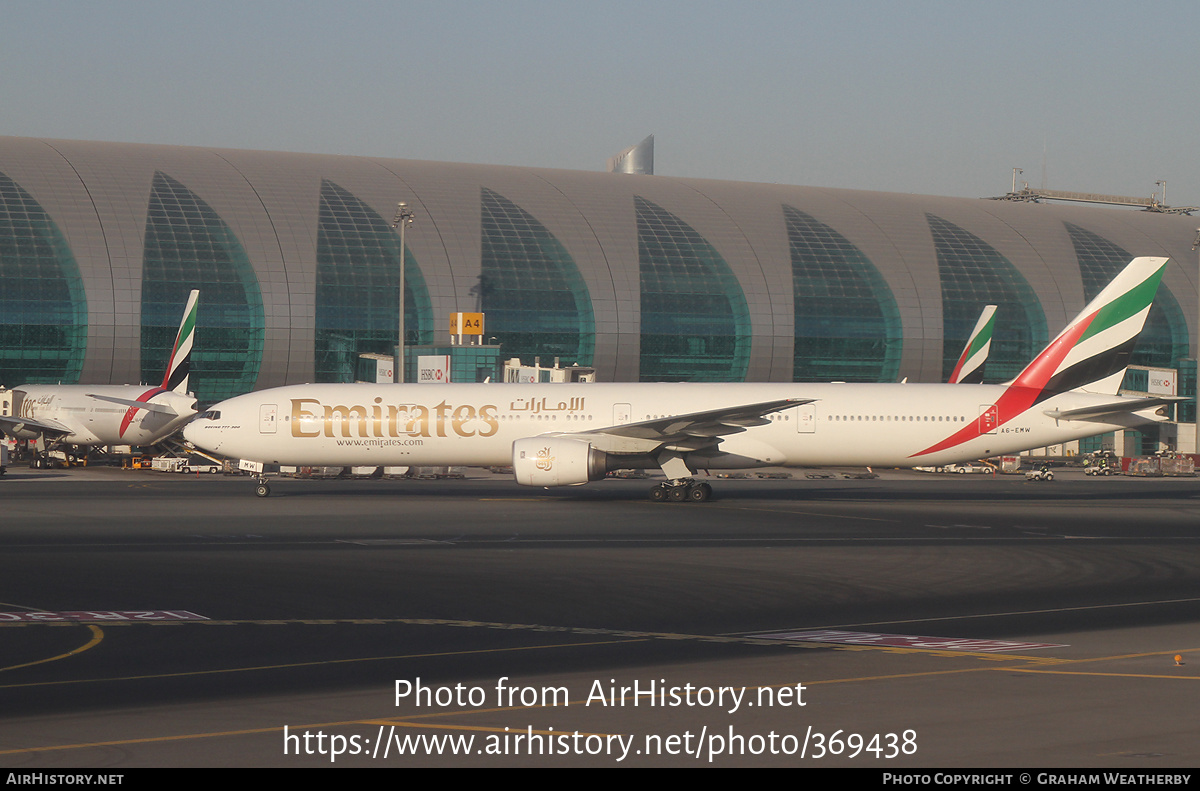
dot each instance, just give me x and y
(311, 418)
(544, 460)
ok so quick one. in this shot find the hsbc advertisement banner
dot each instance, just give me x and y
(1162, 382)
(433, 369)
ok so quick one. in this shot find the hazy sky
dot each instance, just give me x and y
(929, 97)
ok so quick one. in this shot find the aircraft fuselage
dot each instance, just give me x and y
(477, 424)
(93, 421)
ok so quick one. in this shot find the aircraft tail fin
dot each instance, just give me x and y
(1091, 354)
(969, 368)
(180, 364)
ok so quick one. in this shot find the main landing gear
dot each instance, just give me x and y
(681, 491)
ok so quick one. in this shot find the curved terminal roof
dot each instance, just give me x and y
(644, 277)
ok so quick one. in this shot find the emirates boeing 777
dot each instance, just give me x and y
(86, 415)
(567, 434)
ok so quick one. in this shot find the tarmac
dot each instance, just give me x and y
(912, 620)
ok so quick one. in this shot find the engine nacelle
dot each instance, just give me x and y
(557, 461)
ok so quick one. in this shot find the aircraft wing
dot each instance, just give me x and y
(685, 432)
(11, 424)
(1117, 407)
(146, 405)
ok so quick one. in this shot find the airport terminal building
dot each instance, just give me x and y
(646, 278)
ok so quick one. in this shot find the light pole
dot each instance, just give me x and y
(1195, 246)
(403, 219)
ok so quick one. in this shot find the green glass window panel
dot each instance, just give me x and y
(467, 363)
(43, 309)
(189, 246)
(847, 323)
(1136, 379)
(1185, 411)
(1098, 443)
(695, 322)
(530, 289)
(974, 274)
(1164, 339)
(1144, 442)
(358, 277)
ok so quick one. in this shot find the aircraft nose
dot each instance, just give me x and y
(193, 434)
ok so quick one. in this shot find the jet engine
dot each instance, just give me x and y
(557, 461)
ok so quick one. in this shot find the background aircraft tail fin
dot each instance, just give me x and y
(180, 364)
(969, 368)
(1091, 354)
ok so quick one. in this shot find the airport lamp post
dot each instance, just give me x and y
(1195, 246)
(403, 219)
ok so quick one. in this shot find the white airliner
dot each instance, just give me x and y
(86, 415)
(969, 368)
(566, 434)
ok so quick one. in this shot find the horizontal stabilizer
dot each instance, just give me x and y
(1121, 407)
(164, 409)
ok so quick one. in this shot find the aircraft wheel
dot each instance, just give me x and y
(678, 494)
(262, 490)
(658, 494)
(699, 493)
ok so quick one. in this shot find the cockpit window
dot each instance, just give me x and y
(212, 414)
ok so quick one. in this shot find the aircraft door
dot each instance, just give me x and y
(268, 415)
(621, 414)
(989, 418)
(806, 419)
